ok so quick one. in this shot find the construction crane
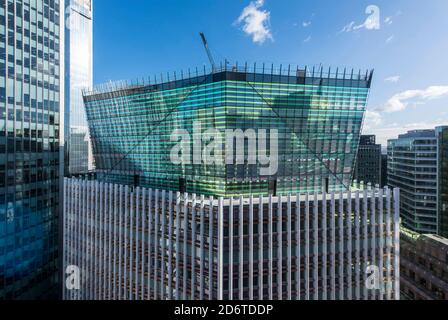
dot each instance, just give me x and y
(207, 49)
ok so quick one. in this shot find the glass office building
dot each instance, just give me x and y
(317, 114)
(31, 91)
(415, 165)
(443, 182)
(368, 164)
(79, 75)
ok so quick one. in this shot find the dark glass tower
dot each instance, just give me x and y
(383, 170)
(317, 114)
(368, 164)
(443, 182)
(31, 91)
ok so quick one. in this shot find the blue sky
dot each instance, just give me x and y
(406, 42)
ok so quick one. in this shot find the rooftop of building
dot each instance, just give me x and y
(410, 234)
(421, 133)
(284, 74)
(418, 134)
(368, 140)
(438, 239)
(415, 236)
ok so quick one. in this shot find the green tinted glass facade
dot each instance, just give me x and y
(318, 118)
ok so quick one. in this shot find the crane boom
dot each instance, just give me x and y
(207, 49)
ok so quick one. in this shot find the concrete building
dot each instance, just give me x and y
(139, 244)
(424, 266)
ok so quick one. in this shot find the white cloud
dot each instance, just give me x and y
(373, 21)
(390, 39)
(308, 39)
(306, 24)
(392, 131)
(401, 101)
(348, 27)
(256, 22)
(372, 120)
(393, 79)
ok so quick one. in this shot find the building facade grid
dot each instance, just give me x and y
(31, 136)
(144, 244)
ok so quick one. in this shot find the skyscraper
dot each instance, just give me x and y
(414, 164)
(315, 114)
(31, 157)
(78, 75)
(368, 163)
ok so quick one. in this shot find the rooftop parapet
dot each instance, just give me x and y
(310, 75)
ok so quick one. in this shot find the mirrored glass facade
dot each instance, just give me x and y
(79, 75)
(318, 117)
(31, 87)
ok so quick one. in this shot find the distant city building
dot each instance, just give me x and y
(142, 244)
(424, 266)
(78, 76)
(31, 138)
(413, 166)
(443, 182)
(317, 115)
(383, 170)
(368, 163)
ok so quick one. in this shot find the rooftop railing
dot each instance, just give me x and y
(288, 70)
